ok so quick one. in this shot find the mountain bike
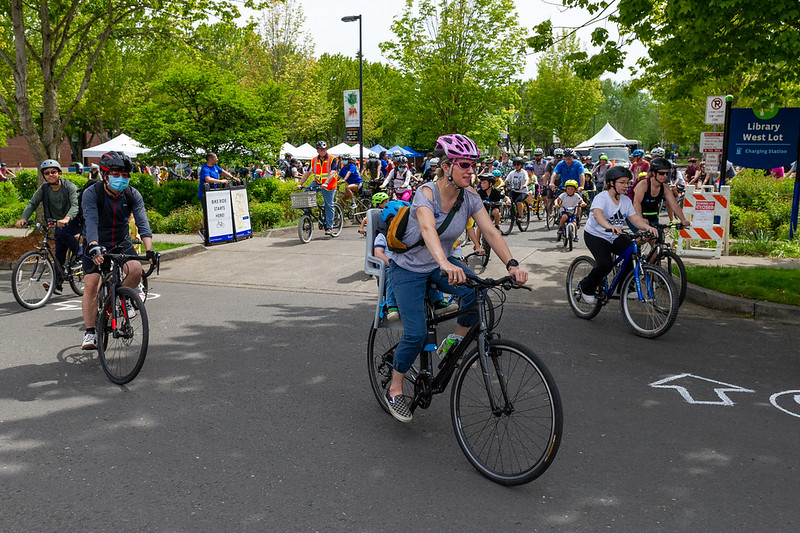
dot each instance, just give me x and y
(504, 403)
(309, 203)
(509, 216)
(647, 295)
(360, 204)
(36, 273)
(123, 331)
(661, 254)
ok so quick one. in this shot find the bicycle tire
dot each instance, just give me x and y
(548, 217)
(525, 221)
(145, 288)
(486, 251)
(578, 270)
(671, 263)
(538, 208)
(338, 220)
(120, 357)
(305, 228)
(75, 273)
(380, 356)
(570, 234)
(506, 219)
(516, 444)
(33, 279)
(653, 316)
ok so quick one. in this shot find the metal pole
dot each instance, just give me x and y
(795, 195)
(726, 133)
(360, 101)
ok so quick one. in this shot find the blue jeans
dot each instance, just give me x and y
(328, 196)
(65, 238)
(409, 290)
(434, 295)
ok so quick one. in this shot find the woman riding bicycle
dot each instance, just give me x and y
(411, 271)
(603, 231)
(400, 179)
(649, 193)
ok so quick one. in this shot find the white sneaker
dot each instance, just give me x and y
(633, 295)
(588, 298)
(140, 292)
(130, 309)
(89, 341)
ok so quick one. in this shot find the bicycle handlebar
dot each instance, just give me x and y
(506, 282)
(155, 265)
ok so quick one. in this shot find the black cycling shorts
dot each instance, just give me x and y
(90, 268)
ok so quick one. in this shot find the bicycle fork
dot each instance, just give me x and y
(484, 355)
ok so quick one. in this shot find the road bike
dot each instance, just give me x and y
(309, 202)
(122, 327)
(504, 403)
(647, 295)
(570, 230)
(509, 216)
(36, 273)
(662, 254)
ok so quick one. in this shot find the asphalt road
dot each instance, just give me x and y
(254, 413)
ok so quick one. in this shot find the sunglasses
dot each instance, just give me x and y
(119, 175)
(51, 172)
(465, 165)
(663, 172)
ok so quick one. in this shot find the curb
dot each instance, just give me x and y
(759, 310)
(166, 255)
(280, 232)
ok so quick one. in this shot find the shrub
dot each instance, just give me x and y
(265, 215)
(759, 202)
(155, 218)
(187, 219)
(752, 222)
(271, 190)
(78, 180)
(10, 214)
(26, 182)
(146, 185)
(9, 195)
(172, 195)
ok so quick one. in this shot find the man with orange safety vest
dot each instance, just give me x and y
(324, 169)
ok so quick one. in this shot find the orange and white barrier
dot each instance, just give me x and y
(709, 213)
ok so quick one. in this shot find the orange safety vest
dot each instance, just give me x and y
(320, 172)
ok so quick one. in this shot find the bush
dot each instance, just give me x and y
(187, 219)
(759, 202)
(26, 182)
(172, 195)
(265, 215)
(9, 196)
(146, 185)
(752, 222)
(271, 190)
(154, 218)
(77, 179)
(10, 214)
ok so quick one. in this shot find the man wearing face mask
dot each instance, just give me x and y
(107, 205)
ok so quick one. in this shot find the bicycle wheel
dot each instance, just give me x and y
(122, 345)
(486, 251)
(538, 208)
(518, 441)
(548, 216)
(338, 220)
(525, 220)
(652, 316)
(672, 264)
(578, 270)
(506, 219)
(570, 235)
(305, 227)
(33, 279)
(380, 355)
(75, 273)
(143, 284)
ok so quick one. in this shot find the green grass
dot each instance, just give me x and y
(161, 246)
(4, 237)
(780, 285)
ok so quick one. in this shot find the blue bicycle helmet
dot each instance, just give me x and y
(497, 173)
(638, 153)
(392, 208)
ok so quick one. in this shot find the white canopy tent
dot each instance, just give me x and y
(305, 151)
(120, 143)
(287, 148)
(606, 136)
(342, 149)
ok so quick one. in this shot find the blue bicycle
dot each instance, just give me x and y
(647, 296)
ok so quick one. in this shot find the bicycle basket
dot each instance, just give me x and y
(302, 200)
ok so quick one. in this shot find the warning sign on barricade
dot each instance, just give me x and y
(709, 213)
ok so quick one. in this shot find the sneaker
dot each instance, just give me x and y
(442, 308)
(130, 309)
(393, 315)
(575, 239)
(141, 293)
(58, 289)
(328, 232)
(588, 298)
(398, 408)
(89, 341)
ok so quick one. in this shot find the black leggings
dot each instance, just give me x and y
(601, 250)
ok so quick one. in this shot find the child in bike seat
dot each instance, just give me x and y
(569, 202)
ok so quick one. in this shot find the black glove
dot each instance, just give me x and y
(151, 255)
(94, 251)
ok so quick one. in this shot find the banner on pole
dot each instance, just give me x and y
(352, 108)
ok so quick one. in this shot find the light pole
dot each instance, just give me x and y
(353, 18)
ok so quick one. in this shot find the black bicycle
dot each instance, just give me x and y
(313, 212)
(36, 273)
(504, 403)
(661, 254)
(123, 331)
(509, 216)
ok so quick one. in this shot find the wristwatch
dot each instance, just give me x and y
(512, 263)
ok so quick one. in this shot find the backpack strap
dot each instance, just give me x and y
(448, 218)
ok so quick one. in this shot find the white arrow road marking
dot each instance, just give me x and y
(75, 303)
(774, 401)
(725, 387)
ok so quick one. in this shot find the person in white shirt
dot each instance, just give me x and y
(569, 202)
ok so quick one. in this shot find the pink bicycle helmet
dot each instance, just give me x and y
(456, 146)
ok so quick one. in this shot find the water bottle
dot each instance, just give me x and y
(450, 342)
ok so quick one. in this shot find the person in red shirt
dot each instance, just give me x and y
(639, 164)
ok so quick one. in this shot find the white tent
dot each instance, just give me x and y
(287, 148)
(606, 136)
(304, 151)
(340, 150)
(121, 143)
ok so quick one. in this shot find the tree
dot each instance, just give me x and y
(691, 40)
(525, 131)
(457, 57)
(629, 111)
(560, 99)
(51, 47)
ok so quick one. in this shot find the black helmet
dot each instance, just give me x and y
(518, 161)
(659, 163)
(115, 161)
(287, 154)
(617, 172)
(322, 145)
(487, 176)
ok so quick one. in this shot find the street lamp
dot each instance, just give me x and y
(353, 18)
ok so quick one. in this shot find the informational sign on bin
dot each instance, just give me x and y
(704, 214)
(241, 212)
(219, 216)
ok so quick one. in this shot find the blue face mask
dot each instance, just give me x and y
(118, 183)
